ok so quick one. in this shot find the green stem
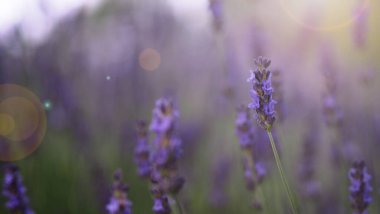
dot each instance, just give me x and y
(265, 202)
(280, 169)
(178, 204)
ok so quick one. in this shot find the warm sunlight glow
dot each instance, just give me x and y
(327, 14)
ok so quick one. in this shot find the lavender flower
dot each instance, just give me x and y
(119, 203)
(216, 8)
(263, 103)
(278, 95)
(332, 112)
(161, 202)
(254, 171)
(360, 26)
(261, 93)
(167, 147)
(244, 128)
(360, 188)
(309, 187)
(165, 118)
(15, 192)
(220, 175)
(142, 151)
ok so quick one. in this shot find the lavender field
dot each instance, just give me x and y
(190, 107)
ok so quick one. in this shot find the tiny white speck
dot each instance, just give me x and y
(47, 105)
(108, 77)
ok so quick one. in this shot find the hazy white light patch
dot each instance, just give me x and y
(37, 17)
(196, 12)
(187, 7)
(11, 12)
(59, 8)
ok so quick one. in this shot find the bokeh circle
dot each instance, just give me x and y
(22, 122)
(150, 59)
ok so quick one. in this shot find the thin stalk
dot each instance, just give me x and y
(178, 204)
(280, 169)
(264, 199)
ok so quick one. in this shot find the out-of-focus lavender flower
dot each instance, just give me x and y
(15, 192)
(142, 151)
(216, 8)
(119, 203)
(167, 147)
(261, 93)
(220, 175)
(165, 118)
(360, 26)
(278, 95)
(244, 128)
(309, 186)
(161, 202)
(360, 188)
(254, 171)
(332, 112)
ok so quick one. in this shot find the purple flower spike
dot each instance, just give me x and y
(278, 95)
(167, 147)
(254, 171)
(142, 151)
(119, 203)
(164, 117)
(15, 192)
(216, 9)
(360, 188)
(261, 93)
(161, 202)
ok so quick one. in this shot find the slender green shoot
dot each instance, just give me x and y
(282, 174)
(178, 204)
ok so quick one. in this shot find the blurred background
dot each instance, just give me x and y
(98, 66)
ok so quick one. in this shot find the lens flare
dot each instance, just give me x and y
(22, 122)
(7, 124)
(332, 15)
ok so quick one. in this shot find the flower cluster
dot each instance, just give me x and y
(167, 147)
(254, 171)
(159, 161)
(261, 93)
(142, 151)
(161, 202)
(15, 192)
(119, 203)
(360, 188)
